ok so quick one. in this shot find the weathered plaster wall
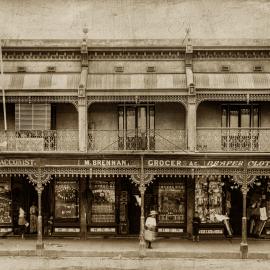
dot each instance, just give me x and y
(135, 19)
(103, 116)
(235, 66)
(265, 115)
(209, 115)
(170, 116)
(66, 117)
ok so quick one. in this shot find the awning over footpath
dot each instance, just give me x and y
(71, 81)
(39, 81)
(232, 81)
(95, 81)
(136, 81)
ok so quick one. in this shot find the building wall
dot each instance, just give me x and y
(136, 66)
(41, 66)
(265, 115)
(103, 117)
(169, 116)
(66, 116)
(209, 115)
(235, 65)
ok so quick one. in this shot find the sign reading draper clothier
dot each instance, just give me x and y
(205, 163)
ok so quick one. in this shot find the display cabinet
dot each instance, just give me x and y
(66, 200)
(172, 203)
(208, 200)
(103, 202)
(5, 203)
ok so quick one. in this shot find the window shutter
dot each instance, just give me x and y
(32, 116)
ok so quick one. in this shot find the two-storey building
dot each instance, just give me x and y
(99, 131)
(89, 121)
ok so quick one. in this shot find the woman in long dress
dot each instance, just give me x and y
(22, 221)
(150, 228)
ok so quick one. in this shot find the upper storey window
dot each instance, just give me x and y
(240, 125)
(32, 116)
(136, 126)
(240, 116)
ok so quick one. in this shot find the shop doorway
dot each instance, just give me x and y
(236, 211)
(23, 195)
(130, 208)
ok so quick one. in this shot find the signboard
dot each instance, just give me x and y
(17, 162)
(135, 162)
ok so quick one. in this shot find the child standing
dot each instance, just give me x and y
(196, 227)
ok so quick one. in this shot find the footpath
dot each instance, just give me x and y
(129, 248)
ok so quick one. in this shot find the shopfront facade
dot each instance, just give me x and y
(102, 195)
(99, 136)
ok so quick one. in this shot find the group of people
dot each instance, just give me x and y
(24, 224)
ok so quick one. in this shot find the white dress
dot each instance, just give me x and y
(150, 229)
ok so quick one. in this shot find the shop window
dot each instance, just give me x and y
(172, 202)
(136, 126)
(5, 202)
(66, 199)
(103, 201)
(208, 199)
(240, 125)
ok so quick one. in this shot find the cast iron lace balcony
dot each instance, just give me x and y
(129, 140)
(39, 140)
(233, 139)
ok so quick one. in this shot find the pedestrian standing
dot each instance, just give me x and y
(22, 222)
(196, 222)
(150, 228)
(33, 218)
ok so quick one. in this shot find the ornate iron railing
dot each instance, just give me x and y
(233, 139)
(39, 140)
(156, 139)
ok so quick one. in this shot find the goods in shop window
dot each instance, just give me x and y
(103, 201)
(208, 199)
(66, 199)
(171, 202)
(5, 203)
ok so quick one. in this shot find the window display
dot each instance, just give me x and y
(208, 199)
(172, 198)
(5, 202)
(103, 201)
(66, 199)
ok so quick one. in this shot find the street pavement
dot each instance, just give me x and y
(118, 263)
(129, 248)
(123, 253)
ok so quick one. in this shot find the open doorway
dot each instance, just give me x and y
(236, 211)
(132, 214)
(23, 195)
